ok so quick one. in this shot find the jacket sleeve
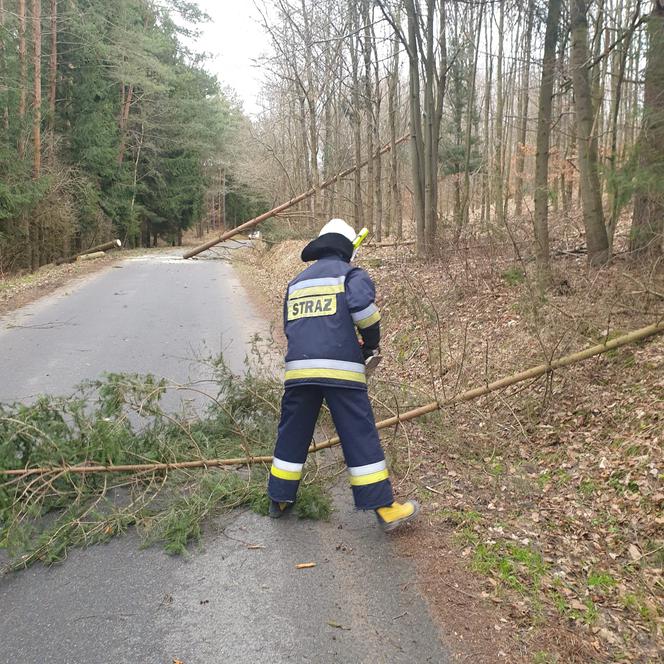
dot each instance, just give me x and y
(361, 296)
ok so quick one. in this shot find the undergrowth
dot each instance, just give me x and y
(119, 420)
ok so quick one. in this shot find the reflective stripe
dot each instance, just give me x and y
(369, 479)
(335, 369)
(286, 465)
(368, 316)
(334, 374)
(374, 318)
(320, 286)
(316, 290)
(368, 469)
(365, 313)
(285, 474)
(325, 364)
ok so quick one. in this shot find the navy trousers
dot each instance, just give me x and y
(354, 422)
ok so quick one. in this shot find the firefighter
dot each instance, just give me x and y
(324, 308)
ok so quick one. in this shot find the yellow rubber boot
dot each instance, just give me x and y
(397, 514)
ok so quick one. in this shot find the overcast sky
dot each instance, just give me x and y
(233, 38)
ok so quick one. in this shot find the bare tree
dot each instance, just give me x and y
(425, 42)
(541, 224)
(647, 233)
(523, 110)
(593, 216)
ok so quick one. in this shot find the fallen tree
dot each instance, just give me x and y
(107, 246)
(468, 395)
(284, 206)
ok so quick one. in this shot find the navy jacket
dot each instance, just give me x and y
(324, 308)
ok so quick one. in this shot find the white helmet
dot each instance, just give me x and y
(339, 226)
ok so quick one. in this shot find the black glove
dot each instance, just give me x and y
(369, 352)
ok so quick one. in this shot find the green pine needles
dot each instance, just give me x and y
(120, 420)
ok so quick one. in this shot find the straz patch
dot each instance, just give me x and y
(315, 305)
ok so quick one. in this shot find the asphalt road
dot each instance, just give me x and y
(225, 602)
(153, 314)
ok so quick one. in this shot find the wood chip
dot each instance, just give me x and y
(337, 625)
(305, 565)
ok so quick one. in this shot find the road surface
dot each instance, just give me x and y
(150, 314)
(224, 602)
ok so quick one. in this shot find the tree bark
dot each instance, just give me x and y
(523, 109)
(465, 203)
(23, 75)
(356, 117)
(222, 199)
(416, 133)
(543, 140)
(378, 170)
(125, 107)
(311, 106)
(593, 216)
(368, 109)
(37, 94)
(647, 232)
(53, 77)
(499, 129)
(4, 90)
(486, 180)
(395, 220)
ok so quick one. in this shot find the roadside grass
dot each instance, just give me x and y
(119, 421)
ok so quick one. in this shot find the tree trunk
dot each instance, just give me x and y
(523, 109)
(435, 73)
(378, 174)
(37, 232)
(499, 129)
(593, 216)
(486, 180)
(23, 75)
(311, 105)
(357, 122)
(53, 77)
(4, 90)
(543, 140)
(619, 63)
(417, 138)
(368, 108)
(394, 219)
(647, 232)
(222, 199)
(125, 107)
(37, 95)
(465, 203)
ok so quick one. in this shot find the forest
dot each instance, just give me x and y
(542, 114)
(111, 127)
(519, 116)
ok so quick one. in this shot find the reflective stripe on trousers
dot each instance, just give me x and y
(286, 470)
(369, 474)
